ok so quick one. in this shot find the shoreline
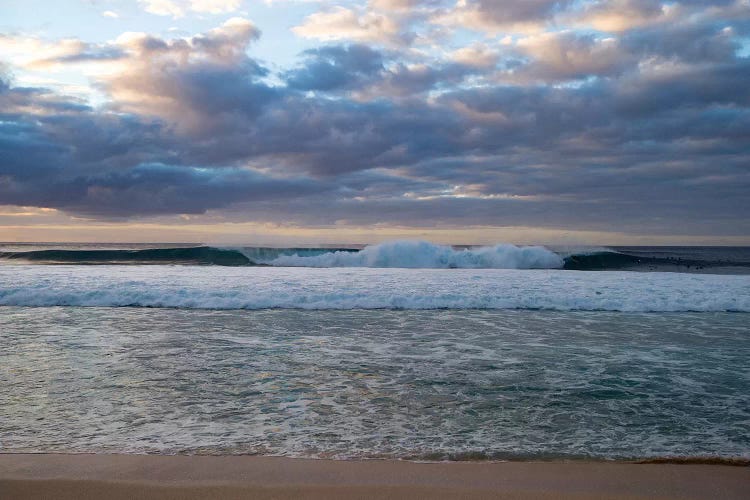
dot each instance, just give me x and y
(731, 461)
(162, 477)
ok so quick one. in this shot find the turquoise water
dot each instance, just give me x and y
(422, 384)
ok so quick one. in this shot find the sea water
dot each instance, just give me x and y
(424, 364)
(217, 287)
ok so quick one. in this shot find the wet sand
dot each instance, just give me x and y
(43, 476)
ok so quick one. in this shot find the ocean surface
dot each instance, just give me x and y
(402, 350)
(396, 254)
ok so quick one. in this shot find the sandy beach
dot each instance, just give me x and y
(50, 476)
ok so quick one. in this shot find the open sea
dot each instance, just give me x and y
(401, 350)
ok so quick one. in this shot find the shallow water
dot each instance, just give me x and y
(375, 383)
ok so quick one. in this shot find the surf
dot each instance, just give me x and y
(265, 287)
(414, 254)
(425, 255)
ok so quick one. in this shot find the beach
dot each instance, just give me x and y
(219, 381)
(374, 249)
(61, 476)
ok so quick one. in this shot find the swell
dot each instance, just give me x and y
(190, 255)
(610, 260)
(394, 254)
(606, 260)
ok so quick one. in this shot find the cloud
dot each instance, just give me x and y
(502, 16)
(336, 67)
(215, 6)
(180, 79)
(622, 15)
(561, 56)
(342, 23)
(362, 70)
(691, 42)
(109, 165)
(178, 8)
(644, 129)
(479, 55)
(616, 16)
(37, 53)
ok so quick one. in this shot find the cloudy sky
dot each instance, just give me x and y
(476, 121)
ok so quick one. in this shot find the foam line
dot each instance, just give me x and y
(308, 288)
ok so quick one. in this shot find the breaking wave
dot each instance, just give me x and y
(406, 254)
(396, 254)
(425, 255)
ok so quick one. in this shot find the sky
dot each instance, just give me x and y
(324, 121)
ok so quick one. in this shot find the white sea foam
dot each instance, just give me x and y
(423, 254)
(374, 384)
(337, 288)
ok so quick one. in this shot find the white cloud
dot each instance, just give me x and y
(215, 6)
(26, 51)
(564, 55)
(342, 23)
(178, 8)
(476, 55)
(163, 7)
(620, 15)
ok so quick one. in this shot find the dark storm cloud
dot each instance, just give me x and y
(151, 189)
(646, 130)
(157, 189)
(362, 69)
(106, 165)
(335, 67)
(718, 85)
(692, 42)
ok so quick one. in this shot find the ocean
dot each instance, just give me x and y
(402, 350)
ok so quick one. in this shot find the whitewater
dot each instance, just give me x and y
(406, 350)
(422, 255)
(406, 254)
(215, 287)
(424, 385)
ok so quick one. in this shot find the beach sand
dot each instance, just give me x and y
(52, 476)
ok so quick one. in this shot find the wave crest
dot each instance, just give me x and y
(424, 255)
